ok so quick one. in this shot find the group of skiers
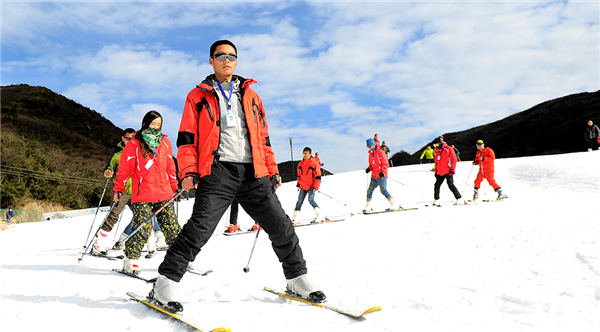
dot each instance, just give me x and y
(224, 152)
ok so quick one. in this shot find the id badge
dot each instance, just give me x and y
(230, 120)
(149, 164)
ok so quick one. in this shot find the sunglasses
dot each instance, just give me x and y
(306, 153)
(127, 138)
(223, 56)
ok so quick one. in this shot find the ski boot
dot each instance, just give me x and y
(131, 266)
(304, 287)
(166, 292)
(501, 196)
(368, 208)
(475, 194)
(319, 217)
(161, 241)
(437, 203)
(295, 217)
(232, 229)
(254, 228)
(99, 247)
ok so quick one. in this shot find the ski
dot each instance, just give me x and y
(151, 254)
(137, 276)
(389, 210)
(239, 232)
(106, 255)
(493, 200)
(157, 306)
(352, 312)
(317, 222)
(198, 272)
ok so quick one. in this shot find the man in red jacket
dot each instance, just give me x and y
(309, 180)
(225, 153)
(378, 166)
(485, 159)
(445, 166)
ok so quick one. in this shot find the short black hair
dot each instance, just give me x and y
(218, 43)
(128, 131)
(307, 149)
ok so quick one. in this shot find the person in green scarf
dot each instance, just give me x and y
(148, 161)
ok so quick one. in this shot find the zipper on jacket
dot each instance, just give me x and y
(254, 107)
(262, 116)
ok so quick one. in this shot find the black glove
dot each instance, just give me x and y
(381, 175)
(297, 185)
(451, 173)
(367, 170)
(275, 181)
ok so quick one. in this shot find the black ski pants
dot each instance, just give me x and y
(439, 179)
(214, 195)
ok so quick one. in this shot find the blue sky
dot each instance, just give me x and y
(331, 74)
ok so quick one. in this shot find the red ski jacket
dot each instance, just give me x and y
(445, 160)
(487, 165)
(153, 178)
(200, 132)
(378, 163)
(309, 174)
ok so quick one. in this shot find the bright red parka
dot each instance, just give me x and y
(154, 183)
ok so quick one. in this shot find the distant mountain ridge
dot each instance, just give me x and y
(552, 127)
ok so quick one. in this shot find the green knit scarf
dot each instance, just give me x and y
(152, 138)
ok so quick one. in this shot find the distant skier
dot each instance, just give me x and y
(429, 154)
(378, 166)
(318, 159)
(445, 167)
(10, 214)
(309, 180)
(592, 134)
(485, 159)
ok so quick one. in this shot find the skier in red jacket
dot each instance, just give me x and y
(309, 181)
(224, 151)
(378, 166)
(485, 159)
(445, 166)
(148, 160)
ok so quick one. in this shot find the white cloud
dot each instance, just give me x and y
(329, 77)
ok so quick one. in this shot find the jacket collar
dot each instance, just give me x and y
(207, 84)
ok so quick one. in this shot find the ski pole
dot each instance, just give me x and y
(322, 193)
(466, 182)
(98, 231)
(119, 244)
(117, 228)
(247, 268)
(98, 209)
(405, 185)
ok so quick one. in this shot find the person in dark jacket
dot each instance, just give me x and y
(10, 214)
(592, 133)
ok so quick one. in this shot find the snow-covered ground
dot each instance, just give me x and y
(530, 263)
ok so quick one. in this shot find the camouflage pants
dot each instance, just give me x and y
(142, 211)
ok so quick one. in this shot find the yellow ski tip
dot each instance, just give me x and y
(221, 329)
(377, 308)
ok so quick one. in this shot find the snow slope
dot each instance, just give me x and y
(530, 263)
